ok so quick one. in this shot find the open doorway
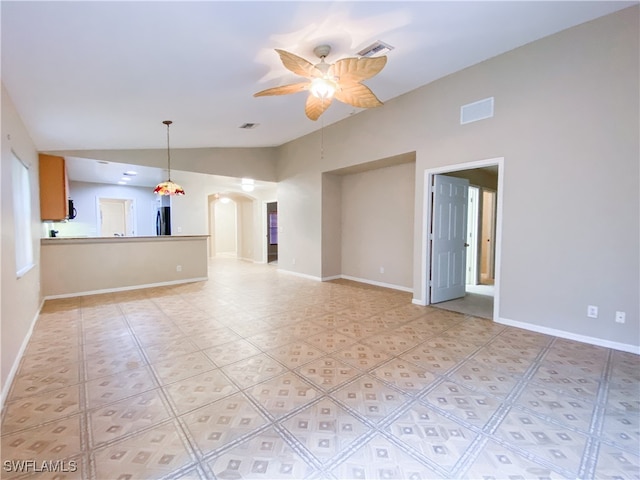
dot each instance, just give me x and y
(479, 297)
(116, 217)
(272, 233)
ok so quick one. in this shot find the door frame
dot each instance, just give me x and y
(426, 230)
(472, 236)
(129, 217)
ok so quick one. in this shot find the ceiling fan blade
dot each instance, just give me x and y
(298, 65)
(284, 89)
(316, 106)
(357, 69)
(358, 95)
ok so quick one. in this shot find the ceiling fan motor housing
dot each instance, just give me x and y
(322, 51)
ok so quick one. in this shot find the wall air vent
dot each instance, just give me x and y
(472, 112)
(375, 49)
(249, 126)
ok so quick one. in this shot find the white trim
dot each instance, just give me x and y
(301, 275)
(16, 364)
(378, 284)
(333, 277)
(417, 301)
(124, 289)
(625, 347)
(426, 204)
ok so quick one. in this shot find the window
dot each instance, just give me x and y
(22, 216)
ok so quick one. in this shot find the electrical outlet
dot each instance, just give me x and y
(592, 311)
(179, 229)
(381, 269)
(620, 317)
(293, 262)
(178, 268)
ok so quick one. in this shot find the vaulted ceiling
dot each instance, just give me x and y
(104, 75)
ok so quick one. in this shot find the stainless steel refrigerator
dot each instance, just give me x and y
(163, 216)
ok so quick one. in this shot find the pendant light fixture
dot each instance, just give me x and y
(168, 187)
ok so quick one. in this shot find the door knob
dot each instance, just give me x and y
(466, 244)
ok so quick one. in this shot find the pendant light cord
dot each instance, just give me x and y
(167, 123)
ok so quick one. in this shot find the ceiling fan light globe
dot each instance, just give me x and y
(323, 88)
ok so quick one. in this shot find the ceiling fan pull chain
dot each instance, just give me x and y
(322, 134)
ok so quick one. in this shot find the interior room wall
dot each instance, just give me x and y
(256, 163)
(568, 133)
(20, 298)
(377, 219)
(331, 226)
(226, 228)
(300, 224)
(246, 227)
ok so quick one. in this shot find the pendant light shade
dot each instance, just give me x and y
(168, 187)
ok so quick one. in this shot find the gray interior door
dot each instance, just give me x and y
(449, 235)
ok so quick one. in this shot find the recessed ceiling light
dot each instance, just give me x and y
(130, 173)
(122, 183)
(103, 162)
(125, 179)
(248, 184)
(249, 126)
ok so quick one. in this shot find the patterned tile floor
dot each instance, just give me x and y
(263, 375)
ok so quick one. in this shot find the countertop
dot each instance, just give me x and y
(84, 240)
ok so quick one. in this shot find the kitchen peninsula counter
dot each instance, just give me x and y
(74, 266)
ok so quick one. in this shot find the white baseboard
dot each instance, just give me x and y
(625, 347)
(417, 301)
(16, 363)
(333, 277)
(348, 277)
(124, 289)
(377, 284)
(301, 275)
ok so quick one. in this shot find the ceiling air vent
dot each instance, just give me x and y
(472, 112)
(249, 126)
(374, 49)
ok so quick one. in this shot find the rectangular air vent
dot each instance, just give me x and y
(472, 112)
(374, 49)
(249, 126)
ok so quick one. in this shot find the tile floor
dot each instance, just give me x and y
(263, 375)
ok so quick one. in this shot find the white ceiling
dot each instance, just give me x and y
(104, 75)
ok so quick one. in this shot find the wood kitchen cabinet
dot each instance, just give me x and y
(54, 188)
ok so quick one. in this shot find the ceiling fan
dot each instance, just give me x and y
(340, 80)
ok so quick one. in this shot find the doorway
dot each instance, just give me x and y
(226, 227)
(272, 233)
(116, 217)
(481, 293)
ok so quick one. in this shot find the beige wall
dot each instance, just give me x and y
(331, 226)
(226, 228)
(20, 297)
(246, 226)
(566, 123)
(377, 219)
(256, 163)
(71, 267)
